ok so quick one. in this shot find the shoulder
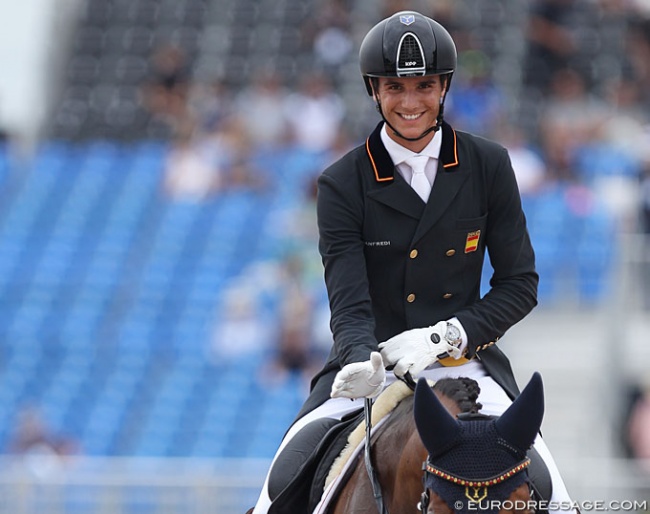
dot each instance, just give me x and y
(348, 165)
(343, 184)
(350, 175)
(479, 145)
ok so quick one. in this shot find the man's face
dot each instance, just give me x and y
(411, 106)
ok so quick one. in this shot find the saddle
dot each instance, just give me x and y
(315, 456)
(297, 478)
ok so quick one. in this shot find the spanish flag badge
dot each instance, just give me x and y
(471, 243)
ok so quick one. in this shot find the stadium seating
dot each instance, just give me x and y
(109, 289)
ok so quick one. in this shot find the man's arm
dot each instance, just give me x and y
(340, 217)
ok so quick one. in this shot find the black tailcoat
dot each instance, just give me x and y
(393, 263)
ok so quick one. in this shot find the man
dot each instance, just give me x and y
(404, 222)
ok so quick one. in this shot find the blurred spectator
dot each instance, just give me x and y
(192, 170)
(32, 436)
(475, 102)
(456, 17)
(296, 231)
(233, 145)
(261, 108)
(200, 165)
(551, 40)
(5, 135)
(637, 54)
(528, 165)
(571, 117)
(645, 229)
(627, 117)
(293, 352)
(166, 90)
(242, 329)
(331, 36)
(636, 427)
(609, 156)
(304, 336)
(315, 113)
(390, 7)
(209, 105)
(645, 200)
(332, 47)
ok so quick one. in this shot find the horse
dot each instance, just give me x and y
(436, 454)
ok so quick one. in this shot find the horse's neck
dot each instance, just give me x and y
(400, 456)
(398, 459)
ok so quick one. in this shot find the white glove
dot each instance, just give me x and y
(360, 379)
(415, 350)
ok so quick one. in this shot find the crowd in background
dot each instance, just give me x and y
(580, 116)
(577, 126)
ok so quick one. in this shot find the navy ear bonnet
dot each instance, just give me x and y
(477, 458)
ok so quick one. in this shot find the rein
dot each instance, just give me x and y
(372, 474)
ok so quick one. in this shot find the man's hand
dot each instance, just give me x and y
(417, 349)
(360, 379)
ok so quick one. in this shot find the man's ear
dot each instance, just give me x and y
(374, 84)
(445, 86)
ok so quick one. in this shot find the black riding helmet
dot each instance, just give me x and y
(407, 44)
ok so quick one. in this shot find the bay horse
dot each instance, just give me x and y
(436, 454)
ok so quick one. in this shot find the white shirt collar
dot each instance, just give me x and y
(399, 154)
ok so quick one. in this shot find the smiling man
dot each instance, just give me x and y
(410, 107)
(405, 221)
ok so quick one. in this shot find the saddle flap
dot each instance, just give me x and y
(299, 471)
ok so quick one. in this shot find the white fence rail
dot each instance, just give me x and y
(48, 485)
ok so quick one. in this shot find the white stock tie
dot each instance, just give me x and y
(419, 181)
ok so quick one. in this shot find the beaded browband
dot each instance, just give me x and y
(430, 468)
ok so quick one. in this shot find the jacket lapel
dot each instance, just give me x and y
(400, 196)
(394, 192)
(390, 187)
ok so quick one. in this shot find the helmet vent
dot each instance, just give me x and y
(410, 57)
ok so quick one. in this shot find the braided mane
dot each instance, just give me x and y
(464, 391)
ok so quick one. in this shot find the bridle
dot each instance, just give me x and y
(427, 469)
(431, 470)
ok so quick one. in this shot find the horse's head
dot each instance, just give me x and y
(478, 458)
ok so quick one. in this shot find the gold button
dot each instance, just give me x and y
(447, 295)
(410, 298)
(413, 254)
(450, 252)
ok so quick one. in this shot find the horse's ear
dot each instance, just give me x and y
(521, 422)
(437, 427)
